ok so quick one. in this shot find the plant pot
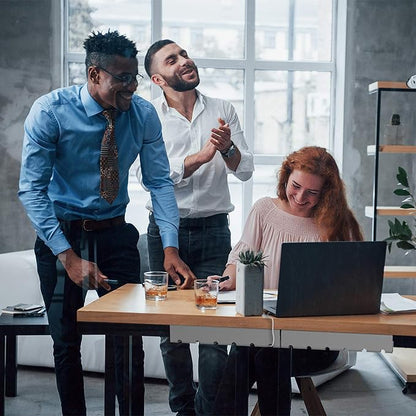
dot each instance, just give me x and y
(249, 289)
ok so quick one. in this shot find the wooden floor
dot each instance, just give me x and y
(368, 389)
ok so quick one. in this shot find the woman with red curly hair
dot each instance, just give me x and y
(311, 205)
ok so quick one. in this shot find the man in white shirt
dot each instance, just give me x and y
(204, 143)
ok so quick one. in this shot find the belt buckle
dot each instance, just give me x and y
(85, 225)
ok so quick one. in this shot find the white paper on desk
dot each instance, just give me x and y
(229, 296)
(395, 303)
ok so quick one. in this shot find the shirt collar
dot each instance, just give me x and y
(90, 105)
(164, 104)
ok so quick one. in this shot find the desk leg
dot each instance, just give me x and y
(132, 399)
(109, 378)
(127, 393)
(11, 366)
(2, 368)
(284, 372)
(242, 380)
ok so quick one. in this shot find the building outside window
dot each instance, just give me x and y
(274, 60)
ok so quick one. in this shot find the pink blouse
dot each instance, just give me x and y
(266, 228)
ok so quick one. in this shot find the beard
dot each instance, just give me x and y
(180, 85)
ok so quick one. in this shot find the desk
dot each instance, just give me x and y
(10, 328)
(125, 311)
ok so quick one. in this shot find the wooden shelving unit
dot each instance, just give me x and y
(387, 85)
(389, 211)
(402, 360)
(400, 272)
(390, 148)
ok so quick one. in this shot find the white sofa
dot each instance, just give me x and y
(20, 283)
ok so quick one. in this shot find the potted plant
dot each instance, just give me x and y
(402, 232)
(250, 282)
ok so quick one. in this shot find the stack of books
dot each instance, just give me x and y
(24, 309)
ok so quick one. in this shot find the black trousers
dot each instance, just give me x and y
(115, 252)
(274, 395)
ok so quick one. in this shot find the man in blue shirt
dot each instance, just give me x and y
(83, 239)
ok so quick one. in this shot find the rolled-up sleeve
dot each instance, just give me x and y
(177, 170)
(245, 168)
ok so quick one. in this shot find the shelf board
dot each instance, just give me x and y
(400, 272)
(387, 85)
(403, 362)
(390, 211)
(390, 148)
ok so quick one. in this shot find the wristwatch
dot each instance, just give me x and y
(230, 151)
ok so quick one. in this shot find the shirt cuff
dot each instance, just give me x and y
(170, 240)
(58, 244)
(245, 168)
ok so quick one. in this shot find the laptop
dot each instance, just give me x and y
(329, 278)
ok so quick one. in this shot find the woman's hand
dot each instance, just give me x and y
(228, 284)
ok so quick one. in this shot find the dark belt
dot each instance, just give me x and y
(95, 225)
(217, 220)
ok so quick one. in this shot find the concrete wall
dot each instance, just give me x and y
(380, 46)
(29, 67)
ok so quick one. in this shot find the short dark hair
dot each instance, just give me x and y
(156, 47)
(101, 47)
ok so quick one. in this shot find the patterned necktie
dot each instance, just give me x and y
(108, 160)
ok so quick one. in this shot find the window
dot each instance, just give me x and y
(274, 60)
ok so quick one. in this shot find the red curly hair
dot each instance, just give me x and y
(332, 214)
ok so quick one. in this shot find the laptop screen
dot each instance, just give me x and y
(330, 278)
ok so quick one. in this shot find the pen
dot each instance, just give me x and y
(111, 281)
(223, 279)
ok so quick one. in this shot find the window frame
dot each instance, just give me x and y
(249, 64)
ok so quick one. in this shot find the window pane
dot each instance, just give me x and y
(265, 181)
(272, 29)
(236, 191)
(130, 18)
(76, 74)
(227, 84)
(136, 212)
(313, 29)
(292, 109)
(293, 30)
(206, 29)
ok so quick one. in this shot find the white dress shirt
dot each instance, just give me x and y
(205, 192)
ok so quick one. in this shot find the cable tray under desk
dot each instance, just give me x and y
(402, 361)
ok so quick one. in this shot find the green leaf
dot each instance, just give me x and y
(401, 192)
(395, 227)
(402, 177)
(403, 237)
(389, 247)
(400, 232)
(251, 257)
(405, 245)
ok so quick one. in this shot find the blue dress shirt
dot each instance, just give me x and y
(60, 173)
